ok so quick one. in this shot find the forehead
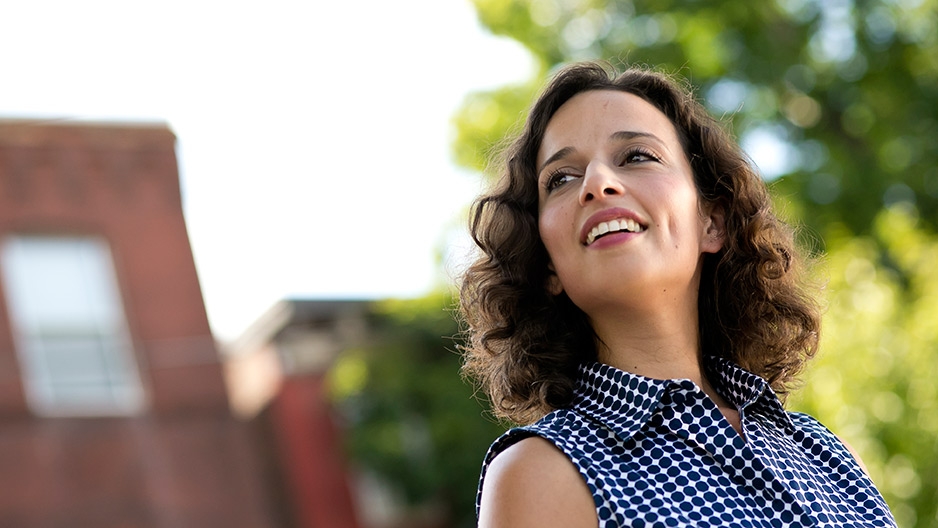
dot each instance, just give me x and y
(593, 116)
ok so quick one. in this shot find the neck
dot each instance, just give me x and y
(656, 350)
(650, 347)
(654, 346)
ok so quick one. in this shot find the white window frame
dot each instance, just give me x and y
(69, 326)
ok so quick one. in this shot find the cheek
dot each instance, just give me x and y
(555, 225)
(684, 207)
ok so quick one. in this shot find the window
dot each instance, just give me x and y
(69, 326)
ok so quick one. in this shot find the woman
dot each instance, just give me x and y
(639, 309)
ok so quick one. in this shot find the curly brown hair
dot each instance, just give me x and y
(524, 344)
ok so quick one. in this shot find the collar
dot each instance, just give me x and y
(625, 402)
(746, 391)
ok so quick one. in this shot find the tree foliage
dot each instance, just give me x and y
(844, 92)
(873, 382)
(412, 421)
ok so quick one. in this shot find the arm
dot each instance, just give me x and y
(533, 484)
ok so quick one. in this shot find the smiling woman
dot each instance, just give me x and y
(622, 161)
(639, 309)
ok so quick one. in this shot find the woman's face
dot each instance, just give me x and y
(618, 209)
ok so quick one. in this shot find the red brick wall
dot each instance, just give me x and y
(175, 472)
(120, 183)
(183, 462)
(311, 460)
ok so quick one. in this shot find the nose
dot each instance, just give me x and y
(599, 181)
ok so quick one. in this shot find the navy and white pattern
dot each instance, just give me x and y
(660, 453)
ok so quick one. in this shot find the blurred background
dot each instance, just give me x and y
(229, 235)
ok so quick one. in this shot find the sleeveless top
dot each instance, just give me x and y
(660, 453)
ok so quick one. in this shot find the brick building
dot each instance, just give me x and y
(276, 374)
(113, 406)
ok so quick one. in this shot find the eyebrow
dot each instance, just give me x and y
(629, 134)
(562, 153)
(621, 135)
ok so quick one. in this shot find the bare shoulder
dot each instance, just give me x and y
(533, 484)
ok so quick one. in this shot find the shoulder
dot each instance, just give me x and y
(813, 427)
(533, 483)
(564, 428)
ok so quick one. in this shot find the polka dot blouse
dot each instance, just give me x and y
(659, 453)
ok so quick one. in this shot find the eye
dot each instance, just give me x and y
(638, 155)
(557, 179)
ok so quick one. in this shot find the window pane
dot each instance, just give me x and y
(69, 324)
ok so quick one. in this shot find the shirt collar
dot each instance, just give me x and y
(621, 400)
(625, 402)
(745, 390)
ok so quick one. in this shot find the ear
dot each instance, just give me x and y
(554, 287)
(714, 229)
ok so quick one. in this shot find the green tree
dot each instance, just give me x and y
(874, 380)
(845, 90)
(412, 421)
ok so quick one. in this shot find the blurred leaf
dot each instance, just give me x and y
(873, 382)
(412, 420)
(849, 86)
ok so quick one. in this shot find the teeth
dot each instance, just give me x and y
(624, 224)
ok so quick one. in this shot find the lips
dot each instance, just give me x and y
(610, 221)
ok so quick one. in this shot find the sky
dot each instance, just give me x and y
(313, 136)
